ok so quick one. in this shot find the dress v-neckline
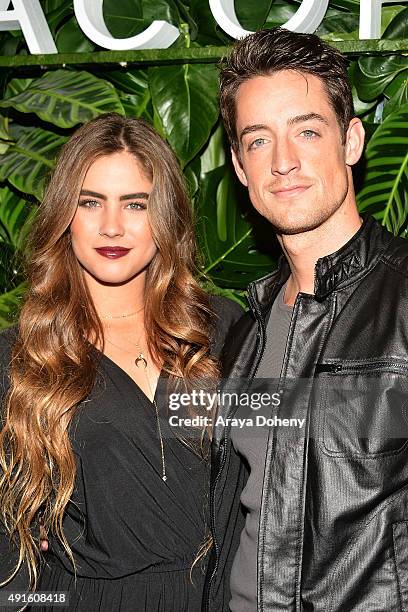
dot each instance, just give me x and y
(130, 380)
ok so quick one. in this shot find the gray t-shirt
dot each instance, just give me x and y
(250, 443)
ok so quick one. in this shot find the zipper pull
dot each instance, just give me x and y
(332, 368)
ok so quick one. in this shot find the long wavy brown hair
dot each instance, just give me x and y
(53, 367)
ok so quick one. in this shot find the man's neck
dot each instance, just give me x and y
(303, 250)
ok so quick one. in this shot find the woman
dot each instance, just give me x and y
(112, 310)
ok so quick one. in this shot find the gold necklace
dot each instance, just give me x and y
(123, 316)
(141, 361)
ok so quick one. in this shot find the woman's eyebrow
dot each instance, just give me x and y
(129, 196)
(140, 195)
(93, 194)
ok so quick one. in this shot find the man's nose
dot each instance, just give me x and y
(285, 158)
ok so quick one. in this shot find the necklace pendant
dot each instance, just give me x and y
(140, 359)
(164, 478)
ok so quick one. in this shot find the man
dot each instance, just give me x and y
(316, 519)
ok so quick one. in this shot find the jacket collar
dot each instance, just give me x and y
(332, 272)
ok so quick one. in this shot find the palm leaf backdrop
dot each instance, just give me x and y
(40, 108)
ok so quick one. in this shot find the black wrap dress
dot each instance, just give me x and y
(134, 537)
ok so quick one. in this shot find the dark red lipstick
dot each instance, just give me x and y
(113, 252)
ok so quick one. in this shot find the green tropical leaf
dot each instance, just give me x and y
(26, 163)
(397, 29)
(205, 31)
(15, 217)
(232, 294)
(214, 154)
(339, 26)
(129, 17)
(71, 39)
(397, 92)
(376, 73)
(57, 12)
(281, 11)
(353, 6)
(385, 191)
(10, 304)
(5, 135)
(185, 98)
(130, 81)
(64, 97)
(252, 15)
(17, 86)
(225, 234)
(133, 90)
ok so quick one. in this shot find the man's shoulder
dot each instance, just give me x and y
(396, 255)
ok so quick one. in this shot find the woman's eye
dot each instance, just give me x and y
(136, 206)
(88, 203)
(309, 134)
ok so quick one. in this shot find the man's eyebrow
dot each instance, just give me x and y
(252, 128)
(307, 117)
(129, 196)
(292, 121)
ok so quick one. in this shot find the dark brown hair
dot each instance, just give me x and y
(53, 367)
(277, 49)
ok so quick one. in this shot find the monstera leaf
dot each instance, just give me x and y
(26, 163)
(385, 192)
(185, 99)
(225, 234)
(376, 73)
(397, 92)
(71, 39)
(63, 98)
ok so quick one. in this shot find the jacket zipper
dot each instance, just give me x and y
(252, 374)
(334, 368)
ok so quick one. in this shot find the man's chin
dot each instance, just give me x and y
(295, 226)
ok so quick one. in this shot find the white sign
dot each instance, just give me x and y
(28, 16)
(89, 14)
(307, 18)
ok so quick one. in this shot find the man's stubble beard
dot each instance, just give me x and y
(317, 218)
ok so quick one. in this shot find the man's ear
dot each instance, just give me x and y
(354, 141)
(238, 168)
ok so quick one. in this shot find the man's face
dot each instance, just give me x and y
(291, 155)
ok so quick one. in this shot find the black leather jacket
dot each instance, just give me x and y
(333, 533)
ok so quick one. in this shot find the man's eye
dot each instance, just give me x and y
(309, 134)
(88, 203)
(258, 142)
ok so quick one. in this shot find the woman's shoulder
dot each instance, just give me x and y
(227, 314)
(8, 337)
(226, 310)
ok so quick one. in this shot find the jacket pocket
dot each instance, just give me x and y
(400, 540)
(363, 407)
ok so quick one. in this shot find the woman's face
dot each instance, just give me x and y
(110, 232)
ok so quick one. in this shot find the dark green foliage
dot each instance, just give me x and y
(40, 108)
